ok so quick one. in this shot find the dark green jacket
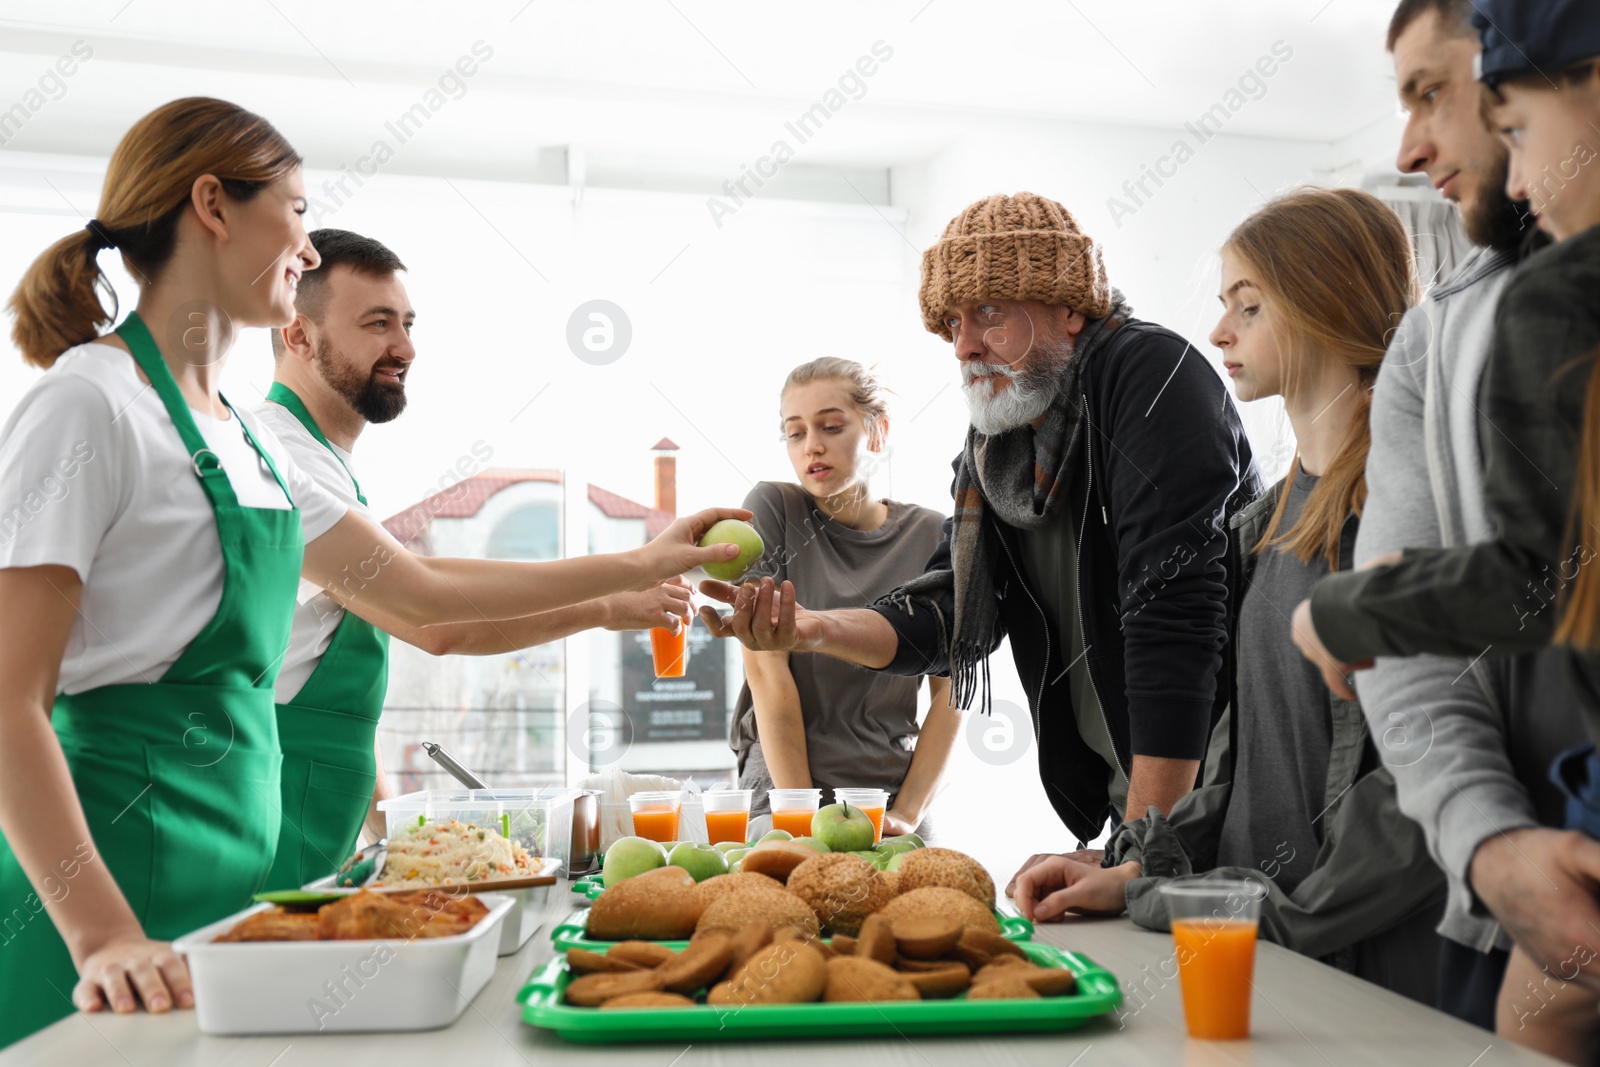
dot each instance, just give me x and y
(1373, 897)
(1499, 596)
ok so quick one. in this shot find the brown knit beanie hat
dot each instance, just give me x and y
(1021, 247)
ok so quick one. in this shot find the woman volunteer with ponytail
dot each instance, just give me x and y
(148, 605)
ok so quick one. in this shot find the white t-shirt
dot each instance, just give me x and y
(317, 615)
(94, 476)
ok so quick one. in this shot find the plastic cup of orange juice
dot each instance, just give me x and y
(871, 801)
(669, 650)
(727, 814)
(1214, 937)
(793, 809)
(655, 815)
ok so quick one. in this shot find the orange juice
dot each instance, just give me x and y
(656, 825)
(727, 825)
(876, 815)
(795, 820)
(670, 651)
(1216, 960)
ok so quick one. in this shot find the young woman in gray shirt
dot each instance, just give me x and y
(805, 720)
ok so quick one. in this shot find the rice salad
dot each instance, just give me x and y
(441, 853)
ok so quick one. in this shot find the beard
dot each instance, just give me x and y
(1494, 220)
(373, 400)
(1027, 395)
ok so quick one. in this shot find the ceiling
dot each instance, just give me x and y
(694, 80)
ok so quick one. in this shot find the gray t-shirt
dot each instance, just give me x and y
(861, 725)
(1285, 725)
(1050, 561)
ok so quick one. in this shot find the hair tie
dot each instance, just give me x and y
(99, 236)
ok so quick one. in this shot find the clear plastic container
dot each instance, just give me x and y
(540, 820)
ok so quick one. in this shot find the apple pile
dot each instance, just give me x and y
(930, 958)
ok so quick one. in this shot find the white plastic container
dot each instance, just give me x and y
(309, 987)
(528, 906)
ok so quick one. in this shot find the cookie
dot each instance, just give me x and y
(649, 1000)
(782, 973)
(1006, 987)
(749, 939)
(926, 939)
(582, 961)
(646, 954)
(992, 943)
(854, 978)
(593, 990)
(697, 966)
(948, 980)
(876, 941)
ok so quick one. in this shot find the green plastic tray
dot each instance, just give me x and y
(569, 933)
(1097, 994)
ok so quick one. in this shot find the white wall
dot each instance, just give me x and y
(720, 313)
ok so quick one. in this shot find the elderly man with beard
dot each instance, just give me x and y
(341, 364)
(1092, 498)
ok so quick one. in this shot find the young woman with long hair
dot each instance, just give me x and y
(1294, 795)
(805, 720)
(154, 538)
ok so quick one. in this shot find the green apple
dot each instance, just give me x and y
(842, 828)
(702, 861)
(775, 835)
(733, 532)
(726, 847)
(629, 856)
(889, 846)
(895, 860)
(877, 859)
(735, 856)
(813, 844)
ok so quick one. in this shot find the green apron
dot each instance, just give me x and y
(178, 778)
(327, 733)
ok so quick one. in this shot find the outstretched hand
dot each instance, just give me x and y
(764, 617)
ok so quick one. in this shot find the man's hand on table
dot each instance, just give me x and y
(1050, 886)
(1540, 883)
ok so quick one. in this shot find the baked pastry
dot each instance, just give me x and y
(842, 889)
(646, 908)
(949, 868)
(939, 901)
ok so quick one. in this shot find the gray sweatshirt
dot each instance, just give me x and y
(1440, 724)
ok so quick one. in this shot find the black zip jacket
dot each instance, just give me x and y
(1166, 464)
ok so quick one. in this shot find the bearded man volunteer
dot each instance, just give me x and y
(1092, 501)
(341, 364)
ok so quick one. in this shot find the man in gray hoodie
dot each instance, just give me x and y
(1467, 741)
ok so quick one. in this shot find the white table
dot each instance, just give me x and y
(1304, 1014)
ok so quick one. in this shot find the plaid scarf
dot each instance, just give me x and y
(1019, 477)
